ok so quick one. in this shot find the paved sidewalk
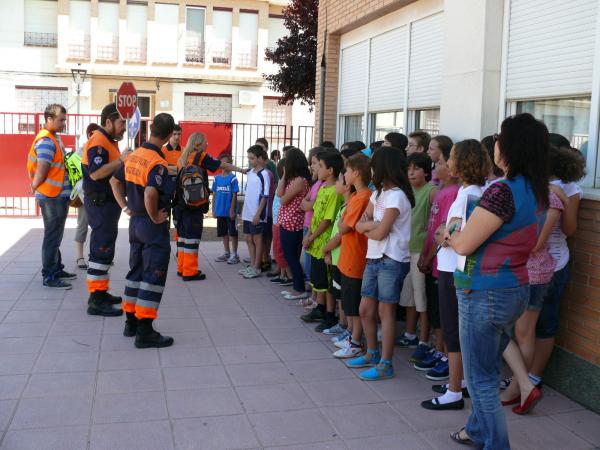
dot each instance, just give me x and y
(244, 373)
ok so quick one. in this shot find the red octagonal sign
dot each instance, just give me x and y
(127, 100)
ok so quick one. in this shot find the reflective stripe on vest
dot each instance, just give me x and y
(52, 186)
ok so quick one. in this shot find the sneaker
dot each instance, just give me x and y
(252, 273)
(277, 280)
(63, 275)
(286, 282)
(247, 260)
(315, 315)
(429, 362)
(440, 371)
(350, 351)
(337, 329)
(326, 324)
(344, 343)
(265, 267)
(224, 257)
(381, 371)
(57, 283)
(369, 359)
(443, 388)
(505, 383)
(420, 353)
(233, 259)
(403, 341)
(290, 296)
(341, 337)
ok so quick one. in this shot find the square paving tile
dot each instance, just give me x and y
(67, 362)
(148, 436)
(129, 359)
(402, 441)
(130, 407)
(259, 374)
(7, 408)
(116, 342)
(20, 345)
(48, 304)
(25, 316)
(321, 370)
(11, 386)
(178, 378)
(358, 421)
(64, 438)
(15, 330)
(420, 419)
(556, 403)
(302, 351)
(337, 393)
(190, 339)
(210, 433)
(76, 328)
(60, 384)
(227, 337)
(52, 412)
(291, 427)
(329, 445)
(81, 343)
(167, 326)
(274, 397)
(245, 354)
(134, 380)
(178, 312)
(16, 364)
(288, 335)
(203, 402)
(186, 356)
(585, 424)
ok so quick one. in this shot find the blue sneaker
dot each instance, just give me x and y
(420, 353)
(429, 362)
(381, 371)
(369, 359)
(440, 371)
(403, 341)
(341, 337)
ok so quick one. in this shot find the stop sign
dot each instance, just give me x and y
(127, 100)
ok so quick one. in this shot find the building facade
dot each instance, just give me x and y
(198, 60)
(458, 67)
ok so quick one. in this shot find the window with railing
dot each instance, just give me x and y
(220, 53)
(247, 56)
(35, 39)
(194, 35)
(220, 45)
(79, 47)
(194, 50)
(247, 47)
(41, 19)
(108, 50)
(135, 47)
(135, 52)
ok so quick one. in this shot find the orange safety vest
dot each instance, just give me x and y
(171, 156)
(52, 186)
(98, 139)
(139, 164)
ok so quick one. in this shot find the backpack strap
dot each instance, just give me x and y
(198, 158)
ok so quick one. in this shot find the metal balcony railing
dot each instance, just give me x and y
(108, 51)
(220, 54)
(248, 57)
(35, 39)
(79, 48)
(136, 53)
(195, 51)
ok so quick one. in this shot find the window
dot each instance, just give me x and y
(164, 38)
(567, 116)
(35, 100)
(248, 42)
(428, 120)
(352, 128)
(220, 47)
(194, 35)
(135, 43)
(80, 12)
(41, 18)
(107, 37)
(277, 30)
(207, 107)
(386, 122)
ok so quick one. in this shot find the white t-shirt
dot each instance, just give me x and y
(257, 188)
(395, 245)
(557, 241)
(447, 258)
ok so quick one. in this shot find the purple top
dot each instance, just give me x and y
(314, 190)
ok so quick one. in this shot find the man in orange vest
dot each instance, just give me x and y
(172, 151)
(145, 181)
(101, 158)
(50, 182)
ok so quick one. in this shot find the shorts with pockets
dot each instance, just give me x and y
(383, 279)
(351, 295)
(320, 278)
(226, 226)
(253, 230)
(413, 290)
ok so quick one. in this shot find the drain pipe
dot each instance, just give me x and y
(322, 89)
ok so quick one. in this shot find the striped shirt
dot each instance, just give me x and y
(44, 149)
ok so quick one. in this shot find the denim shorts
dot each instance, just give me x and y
(537, 293)
(547, 324)
(383, 279)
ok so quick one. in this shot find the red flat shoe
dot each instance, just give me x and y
(534, 396)
(513, 401)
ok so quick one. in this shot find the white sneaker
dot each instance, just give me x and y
(244, 270)
(252, 273)
(224, 257)
(233, 259)
(343, 344)
(349, 352)
(297, 297)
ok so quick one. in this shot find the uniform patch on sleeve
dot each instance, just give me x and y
(158, 180)
(98, 160)
(161, 170)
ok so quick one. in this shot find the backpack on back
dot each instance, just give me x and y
(193, 183)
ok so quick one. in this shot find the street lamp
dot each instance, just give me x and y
(78, 77)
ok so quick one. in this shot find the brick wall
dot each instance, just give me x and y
(338, 17)
(580, 309)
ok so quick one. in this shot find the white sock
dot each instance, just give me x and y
(410, 335)
(234, 254)
(449, 397)
(463, 384)
(423, 343)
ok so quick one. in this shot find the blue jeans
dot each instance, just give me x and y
(291, 244)
(54, 213)
(486, 320)
(306, 262)
(547, 324)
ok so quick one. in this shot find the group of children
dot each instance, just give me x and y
(373, 224)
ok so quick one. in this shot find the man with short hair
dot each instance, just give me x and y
(50, 182)
(172, 150)
(101, 158)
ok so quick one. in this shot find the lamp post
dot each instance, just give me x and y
(78, 77)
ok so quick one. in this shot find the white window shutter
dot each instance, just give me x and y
(41, 16)
(353, 78)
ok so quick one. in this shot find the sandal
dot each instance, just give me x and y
(81, 265)
(463, 441)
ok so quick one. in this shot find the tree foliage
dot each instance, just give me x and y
(296, 54)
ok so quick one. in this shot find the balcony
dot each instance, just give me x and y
(34, 39)
(108, 49)
(195, 51)
(135, 52)
(79, 47)
(220, 53)
(247, 56)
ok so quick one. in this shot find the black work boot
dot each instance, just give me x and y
(131, 325)
(147, 337)
(99, 305)
(104, 296)
(113, 299)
